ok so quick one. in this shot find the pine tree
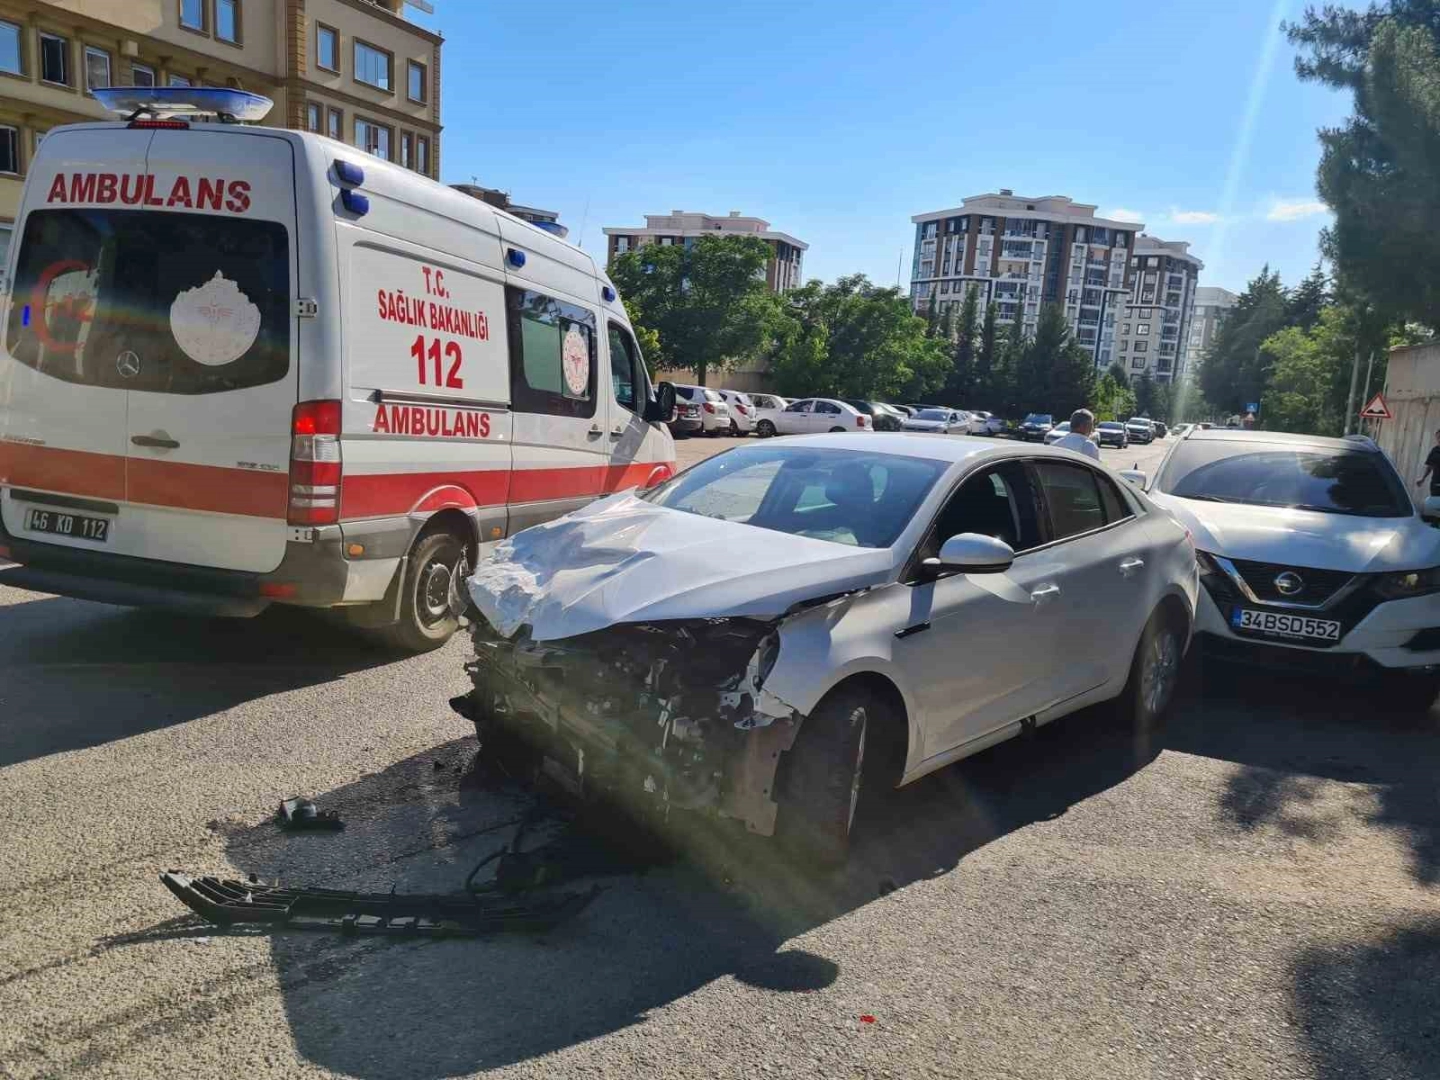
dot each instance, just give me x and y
(989, 387)
(960, 384)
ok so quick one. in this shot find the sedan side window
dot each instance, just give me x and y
(799, 406)
(826, 407)
(1117, 507)
(997, 502)
(1072, 496)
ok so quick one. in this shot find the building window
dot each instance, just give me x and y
(335, 124)
(1142, 346)
(10, 58)
(97, 68)
(407, 152)
(1142, 329)
(227, 21)
(54, 59)
(142, 75)
(422, 154)
(178, 80)
(327, 47)
(1145, 313)
(9, 151)
(1125, 329)
(373, 138)
(372, 66)
(1138, 362)
(312, 116)
(192, 15)
(415, 81)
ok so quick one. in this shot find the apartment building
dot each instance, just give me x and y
(1158, 314)
(684, 227)
(357, 70)
(549, 220)
(1024, 251)
(1212, 304)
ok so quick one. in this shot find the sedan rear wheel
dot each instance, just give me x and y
(765, 429)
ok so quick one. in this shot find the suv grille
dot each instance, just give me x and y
(1319, 585)
(1350, 611)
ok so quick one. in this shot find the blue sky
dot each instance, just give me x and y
(837, 121)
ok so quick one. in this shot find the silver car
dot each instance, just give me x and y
(787, 624)
(939, 422)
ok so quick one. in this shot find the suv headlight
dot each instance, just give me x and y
(1410, 583)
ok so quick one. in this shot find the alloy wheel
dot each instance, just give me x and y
(1160, 671)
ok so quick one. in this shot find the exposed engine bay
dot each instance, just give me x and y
(656, 716)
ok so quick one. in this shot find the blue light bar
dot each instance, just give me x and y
(608, 293)
(162, 101)
(516, 257)
(353, 201)
(348, 173)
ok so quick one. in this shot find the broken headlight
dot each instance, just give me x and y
(765, 658)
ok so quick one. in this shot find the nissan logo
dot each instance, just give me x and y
(1289, 583)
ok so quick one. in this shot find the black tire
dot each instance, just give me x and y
(1410, 694)
(1154, 672)
(765, 429)
(734, 429)
(428, 607)
(818, 784)
(833, 430)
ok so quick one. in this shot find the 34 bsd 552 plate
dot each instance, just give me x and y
(1283, 624)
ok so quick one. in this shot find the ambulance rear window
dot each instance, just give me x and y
(169, 303)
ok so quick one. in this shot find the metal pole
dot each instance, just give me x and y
(1368, 368)
(1350, 401)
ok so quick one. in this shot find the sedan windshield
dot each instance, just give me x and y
(1111, 425)
(1039, 418)
(844, 496)
(1299, 478)
(932, 414)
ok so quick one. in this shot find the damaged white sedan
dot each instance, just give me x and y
(758, 635)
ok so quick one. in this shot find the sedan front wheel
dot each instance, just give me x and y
(818, 784)
(1154, 672)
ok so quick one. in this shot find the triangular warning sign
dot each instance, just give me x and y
(1377, 409)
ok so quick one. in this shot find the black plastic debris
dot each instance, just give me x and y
(234, 903)
(299, 814)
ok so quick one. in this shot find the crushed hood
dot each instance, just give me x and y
(1357, 545)
(625, 560)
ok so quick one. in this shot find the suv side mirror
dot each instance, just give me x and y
(972, 553)
(660, 409)
(1136, 477)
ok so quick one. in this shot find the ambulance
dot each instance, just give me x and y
(245, 366)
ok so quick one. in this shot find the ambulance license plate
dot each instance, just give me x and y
(1301, 627)
(64, 523)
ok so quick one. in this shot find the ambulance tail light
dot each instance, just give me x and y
(315, 466)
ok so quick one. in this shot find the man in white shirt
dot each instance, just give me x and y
(1082, 422)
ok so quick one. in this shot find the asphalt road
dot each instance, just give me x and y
(1255, 894)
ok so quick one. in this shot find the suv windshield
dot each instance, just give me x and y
(1039, 418)
(1111, 425)
(1300, 478)
(844, 496)
(194, 303)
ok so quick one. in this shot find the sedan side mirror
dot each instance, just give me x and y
(972, 553)
(661, 408)
(1136, 477)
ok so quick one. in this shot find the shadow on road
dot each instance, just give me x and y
(123, 672)
(1290, 736)
(1372, 1010)
(377, 1009)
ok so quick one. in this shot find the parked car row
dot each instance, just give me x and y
(702, 410)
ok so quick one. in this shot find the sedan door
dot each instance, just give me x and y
(827, 415)
(795, 418)
(1102, 561)
(980, 650)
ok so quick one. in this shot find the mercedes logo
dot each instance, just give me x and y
(1289, 583)
(128, 364)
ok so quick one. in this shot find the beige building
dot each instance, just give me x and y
(1159, 310)
(1212, 304)
(354, 69)
(683, 227)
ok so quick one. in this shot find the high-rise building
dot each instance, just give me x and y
(1155, 327)
(1212, 304)
(684, 227)
(1023, 251)
(356, 70)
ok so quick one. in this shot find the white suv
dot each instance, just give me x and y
(742, 411)
(1312, 556)
(714, 413)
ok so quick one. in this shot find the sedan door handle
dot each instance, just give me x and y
(157, 441)
(1045, 592)
(1129, 566)
(595, 431)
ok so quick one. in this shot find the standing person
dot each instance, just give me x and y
(1432, 468)
(1082, 423)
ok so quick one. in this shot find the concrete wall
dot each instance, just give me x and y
(1412, 390)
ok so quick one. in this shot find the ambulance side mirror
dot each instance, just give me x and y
(661, 408)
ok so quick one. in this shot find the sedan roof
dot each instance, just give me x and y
(952, 448)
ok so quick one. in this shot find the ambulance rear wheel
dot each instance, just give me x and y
(429, 613)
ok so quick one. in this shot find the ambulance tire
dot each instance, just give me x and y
(427, 620)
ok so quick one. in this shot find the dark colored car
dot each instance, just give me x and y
(1111, 433)
(1160, 429)
(882, 417)
(1035, 427)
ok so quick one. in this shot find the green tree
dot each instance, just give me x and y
(1117, 372)
(645, 337)
(1233, 371)
(989, 389)
(1308, 299)
(854, 339)
(1380, 170)
(1009, 359)
(1053, 373)
(1303, 369)
(1112, 400)
(1144, 387)
(960, 383)
(708, 303)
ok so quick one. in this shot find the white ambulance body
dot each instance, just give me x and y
(244, 365)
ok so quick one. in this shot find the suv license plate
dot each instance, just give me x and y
(64, 523)
(1282, 625)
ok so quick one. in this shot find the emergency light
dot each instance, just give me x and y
(132, 102)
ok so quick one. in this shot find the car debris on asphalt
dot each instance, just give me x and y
(302, 815)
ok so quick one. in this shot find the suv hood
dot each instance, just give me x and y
(1357, 545)
(625, 560)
